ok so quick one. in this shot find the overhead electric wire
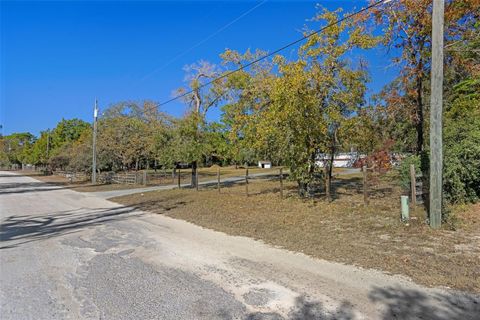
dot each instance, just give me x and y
(205, 39)
(277, 50)
(272, 53)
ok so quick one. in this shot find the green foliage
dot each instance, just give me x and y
(16, 148)
(122, 142)
(67, 131)
(38, 152)
(248, 94)
(4, 160)
(289, 111)
(462, 144)
(313, 98)
(80, 153)
(405, 169)
(52, 145)
(188, 142)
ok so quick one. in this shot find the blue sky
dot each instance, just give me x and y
(56, 57)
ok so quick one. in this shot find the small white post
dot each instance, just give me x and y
(404, 205)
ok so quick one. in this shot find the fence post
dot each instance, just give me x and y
(145, 177)
(365, 185)
(327, 183)
(281, 183)
(413, 186)
(193, 179)
(218, 179)
(246, 182)
(179, 175)
(196, 178)
(173, 175)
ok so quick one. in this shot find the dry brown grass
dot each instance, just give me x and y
(206, 174)
(81, 186)
(162, 178)
(344, 230)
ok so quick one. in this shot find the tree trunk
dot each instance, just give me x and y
(327, 182)
(193, 183)
(329, 168)
(419, 115)
(302, 189)
(328, 175)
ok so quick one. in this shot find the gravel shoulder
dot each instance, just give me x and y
(343, 231)
(70, 255)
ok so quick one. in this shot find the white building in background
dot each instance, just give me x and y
(265, 164)
(341, 160)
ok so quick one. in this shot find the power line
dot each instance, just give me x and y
(205, 39)
(271, 53)
(277, 50)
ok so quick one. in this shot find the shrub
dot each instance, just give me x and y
(462, 150)
(405, 170)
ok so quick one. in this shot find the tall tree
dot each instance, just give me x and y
(407, 28)
(68, 131)
(127, 134)
(313, 98)
(202, 96)
(247, 92)
(17, 147)
(204, 92)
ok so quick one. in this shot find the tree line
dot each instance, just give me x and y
(291, 110)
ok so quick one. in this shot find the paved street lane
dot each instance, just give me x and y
(71, 255)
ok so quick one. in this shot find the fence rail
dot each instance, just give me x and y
(73, 176)
(416, 187)
(125, 178)
(177, 177)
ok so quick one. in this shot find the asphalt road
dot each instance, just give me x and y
(71, 255)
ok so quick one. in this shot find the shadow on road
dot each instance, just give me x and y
(394, 303)
(412, 304)
(16, 230)
(26, 187)
(9, 175)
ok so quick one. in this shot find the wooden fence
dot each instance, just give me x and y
(119, 178)
(73, 176)
(125, 178)
(104, 177)
(178, 178)
(416, 187)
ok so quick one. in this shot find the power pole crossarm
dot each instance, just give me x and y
(436, 106)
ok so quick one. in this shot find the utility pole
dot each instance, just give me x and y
(436, 104)
(48, 142)
(94, 146)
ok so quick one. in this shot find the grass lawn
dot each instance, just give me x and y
(344, 230)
